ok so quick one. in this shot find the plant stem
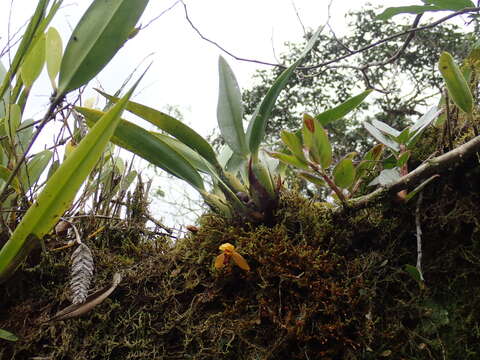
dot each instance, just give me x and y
(330, 183)
(43, 122)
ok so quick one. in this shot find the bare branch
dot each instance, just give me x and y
(410, 32)
(161, 14)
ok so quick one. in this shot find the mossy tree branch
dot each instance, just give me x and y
(437, 165)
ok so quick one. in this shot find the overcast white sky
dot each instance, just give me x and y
(184, 71)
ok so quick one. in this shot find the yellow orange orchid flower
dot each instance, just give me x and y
(228, 254)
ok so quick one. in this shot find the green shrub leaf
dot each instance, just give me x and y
(411, 9)
(59, 191)
(230, 109)
(451, 4)
(30, 173)
(413, 272)
(34, 62)
(149, 147)
(6, 335)
(54, 51)
(256, 127)
(294, 144)
(100, 33)
(344, 172)
(456, 84)
(12, 122)
(289, 160)
(174, 127)
(343, 109)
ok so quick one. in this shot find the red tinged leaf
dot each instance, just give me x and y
(309, 123)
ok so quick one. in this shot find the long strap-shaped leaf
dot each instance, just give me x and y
(172, 126)
(101, 32)
(149, 147)
(60, 190)
(256, 127)
(343, 109)
(230, 109)
(25, 44)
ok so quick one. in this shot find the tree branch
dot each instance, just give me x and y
(437, 165)
(410, 32)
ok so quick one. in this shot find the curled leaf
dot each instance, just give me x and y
(93, 300)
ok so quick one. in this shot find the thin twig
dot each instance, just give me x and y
(412, 31)
(160, 15)
(419, 236)
(45, 120)
(298, 17)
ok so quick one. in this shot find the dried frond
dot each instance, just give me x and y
(81, 273)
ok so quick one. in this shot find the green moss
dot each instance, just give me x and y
(323, 285)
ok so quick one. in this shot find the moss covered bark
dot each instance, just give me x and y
(323, 285)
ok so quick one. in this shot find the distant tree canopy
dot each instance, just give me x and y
(409, 85)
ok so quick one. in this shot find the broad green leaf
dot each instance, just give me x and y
(323, 146)
(294, 144)
(263, 176)
(190, 155)
(24, 134)
(218, 203)
(308, 131)
(344, 172)
(456, 84)
(402, 159)
(385, 128)
(315, 139)
(411, 9)
(451, 4)
(5, 175)
(100, 33)
(370, 159)
(256, 127)
(422, 123)
(403, 137)
(149, 147)
(54, 51)
(312, 178)
(30, 173)
(4, 101)
(59, 191)
(34, 27)
(289, 160)
(230, 109)
(380, 137)
(389, 162)
(235, 163)
(343, 109)
(34, 62)
(413, 272)
(12, 122)
(172, 126)
(6, 335)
